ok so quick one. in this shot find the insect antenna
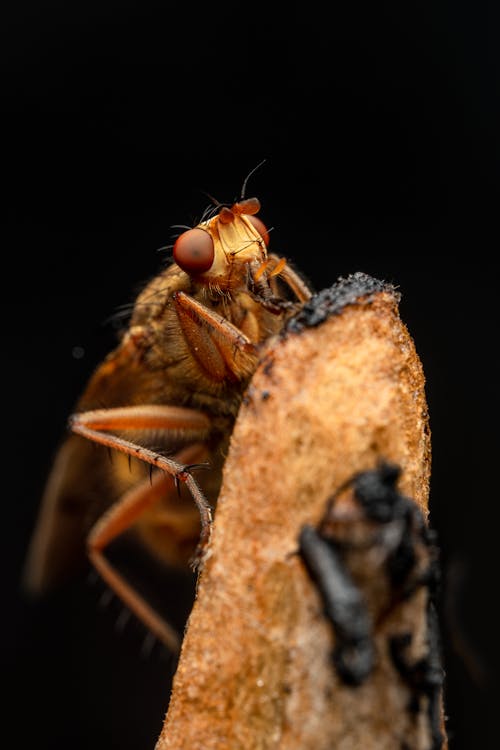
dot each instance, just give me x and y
(245, 181)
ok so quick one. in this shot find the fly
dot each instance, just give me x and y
(163, 403)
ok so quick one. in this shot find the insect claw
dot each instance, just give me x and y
(196, 560)
(200, 556)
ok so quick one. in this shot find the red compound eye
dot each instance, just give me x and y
(194, 251)
(260, 227)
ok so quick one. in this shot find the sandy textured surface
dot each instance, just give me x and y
(331, 397)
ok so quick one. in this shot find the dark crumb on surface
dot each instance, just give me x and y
(408, 557)
(356, 287)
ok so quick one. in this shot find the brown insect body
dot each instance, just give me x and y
(167, 396)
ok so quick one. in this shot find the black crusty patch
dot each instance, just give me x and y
(355, 288)
(409, 562)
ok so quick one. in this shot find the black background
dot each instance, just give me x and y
(379, 124)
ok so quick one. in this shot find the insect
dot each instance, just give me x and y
(163, 404)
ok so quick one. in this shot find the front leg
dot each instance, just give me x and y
(221, 350)
(262, 284)
(279, 267)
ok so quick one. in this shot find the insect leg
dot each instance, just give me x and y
(115, 521)
(120, 517)
(221, 349)
(145, 417)
(291, 278)
(92, 424)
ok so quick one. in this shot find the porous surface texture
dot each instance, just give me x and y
(337, 391)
